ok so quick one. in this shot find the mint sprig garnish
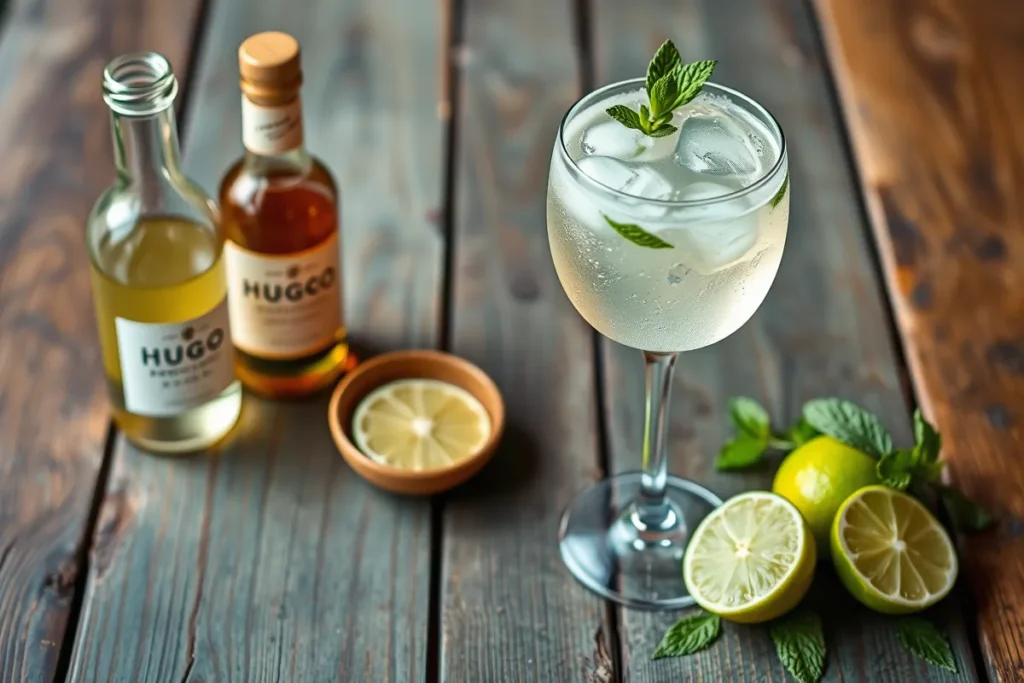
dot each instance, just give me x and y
(800, 644)
(669, 84)
(917, 468)
(925, 640)
(690, 634)
(637, 235)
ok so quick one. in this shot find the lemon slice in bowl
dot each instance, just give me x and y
(750, 560)
(890, 552)
(420, 424)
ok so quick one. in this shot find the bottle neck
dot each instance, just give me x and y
(146, 150)
(272, 132)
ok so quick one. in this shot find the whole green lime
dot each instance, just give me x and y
(818, 476)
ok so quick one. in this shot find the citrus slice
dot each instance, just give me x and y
(750, 560)
(890, 552)
(420, 424)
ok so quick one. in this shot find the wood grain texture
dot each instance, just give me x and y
(822, 330)
(55, 142)
(271, 560)
(510, 610)
(937, 130)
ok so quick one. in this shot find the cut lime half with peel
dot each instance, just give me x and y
(750, 560)
(420, 424)
(891, 553)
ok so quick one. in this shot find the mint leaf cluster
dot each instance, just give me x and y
(670, 84)
(917, 468)
(755, 436)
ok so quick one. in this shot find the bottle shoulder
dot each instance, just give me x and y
(278, 208)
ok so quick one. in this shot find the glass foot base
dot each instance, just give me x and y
(614, 549)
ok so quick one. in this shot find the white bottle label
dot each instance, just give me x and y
(284, 306)
(271, 130)
(168, 368)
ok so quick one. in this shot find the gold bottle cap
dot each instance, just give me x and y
(270, 66)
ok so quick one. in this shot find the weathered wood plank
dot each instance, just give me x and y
(55, 144)
(511, 611)
(271, 560)
(938, 134)
(822, 330)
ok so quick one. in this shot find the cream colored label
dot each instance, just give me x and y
(271, 130)
(169, 368)
(284, 306)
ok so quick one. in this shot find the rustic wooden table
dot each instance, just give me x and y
(271, 561)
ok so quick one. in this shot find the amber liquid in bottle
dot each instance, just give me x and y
(280, 217)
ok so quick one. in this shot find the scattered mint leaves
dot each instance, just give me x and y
(749, 417)
(637, 235)
(690, 634)
(754, 436)
(670, 84)
(801, 433)
(965, 514)
(925, 640)
(896, 468)
(740, 453)
(800, 643)
(777, 199)
(849, 423)
(927, 465)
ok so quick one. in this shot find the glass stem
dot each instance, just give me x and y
(651, 508)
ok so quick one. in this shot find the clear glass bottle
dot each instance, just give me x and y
(158, 279)
(280, 209)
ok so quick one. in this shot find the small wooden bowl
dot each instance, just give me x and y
(413, 365)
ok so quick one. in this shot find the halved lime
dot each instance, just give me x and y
(420, 424)
(750, 560)
(890, 552)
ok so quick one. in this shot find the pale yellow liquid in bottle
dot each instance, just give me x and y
(162, 270)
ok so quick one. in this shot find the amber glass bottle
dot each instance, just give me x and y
(280, 212)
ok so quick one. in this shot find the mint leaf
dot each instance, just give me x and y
(801, 433)
(663, 95)
(800, 643)
(849, 423)
(929, 442)
(645, 117)
(690, 79)
(742, 452)
(637, 235)
(749, 417)
(896, 469)
(688, 635)
(923, 639)
(625, 116)
(774, 201)
(966, 514)
(662, 131)
(665, 60)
